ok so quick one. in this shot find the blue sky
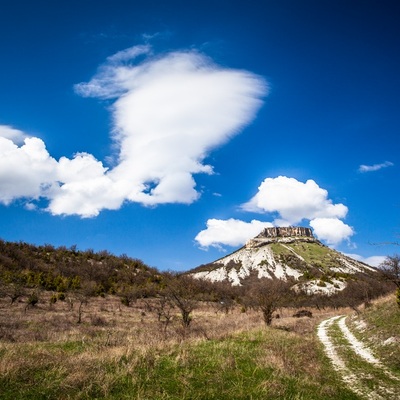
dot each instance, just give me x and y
(173, 131)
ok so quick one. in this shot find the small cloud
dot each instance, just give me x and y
(375, 167)
(231, 232)
(128, 54)
(30, 206)
(150, 37)
(373, 261)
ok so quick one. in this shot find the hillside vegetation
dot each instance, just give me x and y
(83, 325)
(62, 270)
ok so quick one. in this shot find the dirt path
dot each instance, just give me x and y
(353, 360)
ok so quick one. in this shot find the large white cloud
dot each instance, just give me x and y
(231, 232)
(291, 202)
(168, 112)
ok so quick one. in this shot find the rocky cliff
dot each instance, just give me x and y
(282, 235)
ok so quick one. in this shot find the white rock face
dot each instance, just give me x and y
(260, 260)
(316, 286)
(352, 265)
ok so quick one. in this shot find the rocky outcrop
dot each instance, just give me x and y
(289, 231)
(281, 235)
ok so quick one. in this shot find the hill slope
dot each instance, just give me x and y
(285, 253)
(61, 269)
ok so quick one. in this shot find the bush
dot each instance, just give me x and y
(61, 296)
(303, 313)
(33, 299)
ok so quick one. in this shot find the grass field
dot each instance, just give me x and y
(120, 352)
(379, 325)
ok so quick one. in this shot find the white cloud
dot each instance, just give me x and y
(293, 201)
(375, 167)
(129, 54)
(72, 186)
(231, 232)
(15, 135)
(25, 171)
(331, 230)
(373, 261)
(86, 188)
(169, 113)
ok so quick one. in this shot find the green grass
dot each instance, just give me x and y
(278, 249)
(313, 253)
(260, 364)
(382, 321)
(371, 378)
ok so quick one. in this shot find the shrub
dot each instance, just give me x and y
(61, 296)
(33, 299)
(303, 313)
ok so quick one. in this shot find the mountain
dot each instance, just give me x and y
(286, 253)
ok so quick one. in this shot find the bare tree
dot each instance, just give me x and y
(13, 291)
(129, 294)
(390, 270)
(267, 295)
(163, 308)
(81, 296)
(224, 296)
(183, 292)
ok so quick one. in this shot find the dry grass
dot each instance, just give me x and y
(124, 347)
(107, 320)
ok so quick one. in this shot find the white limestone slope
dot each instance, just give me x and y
(260, 260)
(315, 286)
(351, 266)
